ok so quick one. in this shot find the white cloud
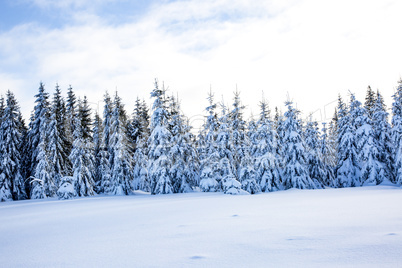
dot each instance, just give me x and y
(311, 49)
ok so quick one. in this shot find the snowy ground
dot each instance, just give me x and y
(354, 227)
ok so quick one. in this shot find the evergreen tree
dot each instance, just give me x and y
(348, 167)
(264, 150)
(382, 134)
(97, 140)
(226, 170)
(105, 152)
(70, 114)
(57, 145)
(316, 168)
(38, 123)
(82, 155)
(295, 174)
(121, 164)
(397, 133)
(327, 151)
(11, 181)
(185, 166)
(370, 102)
(239, 139)
(160, 163)
(207, 150)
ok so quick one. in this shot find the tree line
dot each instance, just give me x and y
(66, 152)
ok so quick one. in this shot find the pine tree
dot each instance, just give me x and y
(264, 151)
(57, 144)
(11, 181)
(370, 101)
(82, 154)
(121, 164)
(208, 155)
(328, 154)
(382, 132)
(185, 166)
(295, 174)
(105, 151)
(396, 133)
(97, 140)
(160, 163)
(316, 168)
(239, 139)
(70, 114)
(39, 121)
(348, 167)
(226, 178)
(140, 173)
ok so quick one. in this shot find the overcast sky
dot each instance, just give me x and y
(309, 50)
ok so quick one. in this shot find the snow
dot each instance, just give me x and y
(349, 227)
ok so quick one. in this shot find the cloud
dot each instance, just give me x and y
(310, 49)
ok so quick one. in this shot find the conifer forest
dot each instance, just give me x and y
(66, 150)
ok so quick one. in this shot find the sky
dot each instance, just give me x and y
(308, 51)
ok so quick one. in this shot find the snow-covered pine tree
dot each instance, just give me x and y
(316, 168)
(226, 171)
(39, 120)
(105, 151)
(239, 139)
(82, 156)
(160, 163)
(11, 181)
(369, 103)
(247, 175)
(134, 127)
(382, 132)
(43, 185)
(71, 110)
(208, 155)
(279, 130)
(185, 168)
(140, 176)
(264, 151)
(121, 164)
(97, 140)
(295, 173)
(140, 172)
(348, 167)
(396, 133)
(327, 151)
(57, 141)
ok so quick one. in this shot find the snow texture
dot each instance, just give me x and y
(348, 227)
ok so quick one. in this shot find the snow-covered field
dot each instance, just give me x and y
(353, 227)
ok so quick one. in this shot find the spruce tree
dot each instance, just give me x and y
(121, 164)
(370, 102)
(82, 156)
(71, 110)
(207, 150)
(184, 170)
(38, 123)
(264, 151)
(327, 151)
(295, 174)
(316, 168)
(226, 178)
(348, 167)
(396, 133)
(11, 181)
(382, 132)
(97, 140)
(160, 163)
(57, 143)
(105, 150)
